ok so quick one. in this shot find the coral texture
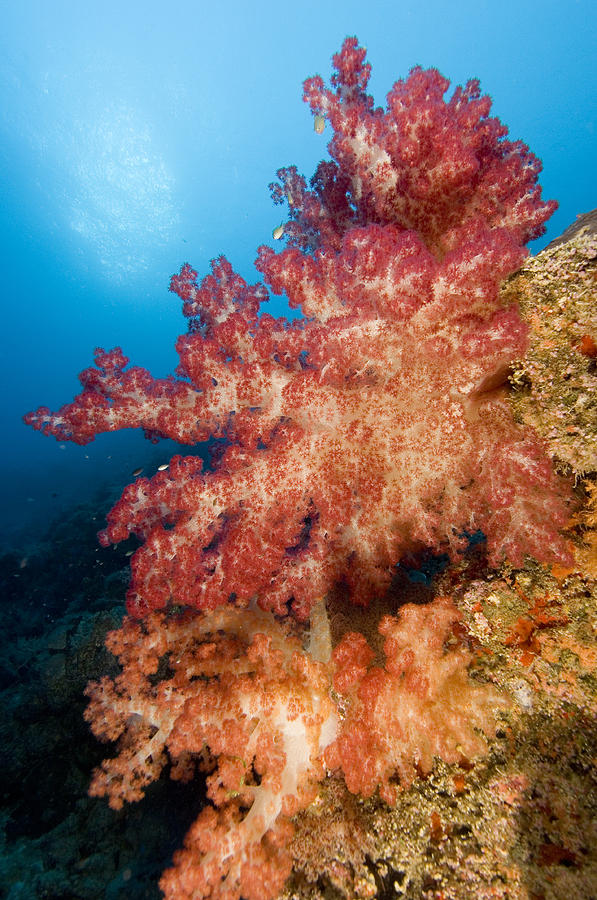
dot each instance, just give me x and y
(557, 295)
(373, 426)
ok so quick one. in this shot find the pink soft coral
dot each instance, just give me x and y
(374, 426)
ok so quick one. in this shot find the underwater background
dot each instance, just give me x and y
(136, 137)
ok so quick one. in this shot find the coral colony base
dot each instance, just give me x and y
(374, 427)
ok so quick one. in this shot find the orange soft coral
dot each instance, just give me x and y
(238, 684)
(421, 704)
(236, 692)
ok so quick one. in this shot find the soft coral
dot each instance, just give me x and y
(373, 426)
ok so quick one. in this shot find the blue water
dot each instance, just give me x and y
(137, 136)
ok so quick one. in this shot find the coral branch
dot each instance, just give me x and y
(424, 164)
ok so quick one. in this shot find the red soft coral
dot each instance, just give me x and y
(375, 425)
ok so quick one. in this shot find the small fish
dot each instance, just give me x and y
(137, 472)
(278, 232)
(163, 466)
(319, 124)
